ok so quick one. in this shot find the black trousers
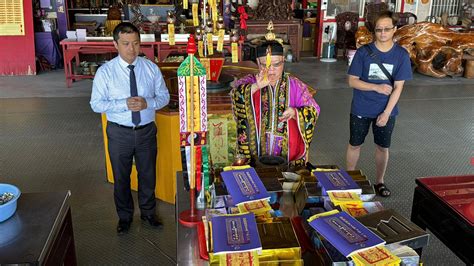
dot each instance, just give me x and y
(124, 145)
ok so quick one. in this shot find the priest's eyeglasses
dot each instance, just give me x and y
(274, 65)
(384, 30)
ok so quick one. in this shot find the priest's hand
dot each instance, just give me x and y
(136, 103)
(261, 81)
(288, 114)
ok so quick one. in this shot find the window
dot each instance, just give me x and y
(452, 7)
(357, 6)
(339, 6)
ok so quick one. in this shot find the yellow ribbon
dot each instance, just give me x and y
(195, 15)
(201, 48)
(210, 45)
(171, 33)
(235, 53)
(220, 40)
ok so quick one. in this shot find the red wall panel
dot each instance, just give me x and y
(17, 53)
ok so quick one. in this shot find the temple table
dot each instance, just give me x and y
(40, 232)
(188, 242)
(445, 205)
(72, 50)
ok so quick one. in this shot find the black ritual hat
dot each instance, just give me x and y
(275, 48)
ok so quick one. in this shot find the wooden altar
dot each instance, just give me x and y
(72, 50)
(292, 28)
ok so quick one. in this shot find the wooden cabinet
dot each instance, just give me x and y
(292, 28)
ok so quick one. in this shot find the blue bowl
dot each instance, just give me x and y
(9, 208)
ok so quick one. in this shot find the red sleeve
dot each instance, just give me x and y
(295, 142)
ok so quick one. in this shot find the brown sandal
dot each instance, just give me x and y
(382, 190)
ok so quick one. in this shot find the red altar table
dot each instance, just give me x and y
(72, 49)
(445, 206)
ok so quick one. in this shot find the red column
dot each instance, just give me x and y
(17, 53)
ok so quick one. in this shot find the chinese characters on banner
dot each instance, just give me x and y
(11, 18)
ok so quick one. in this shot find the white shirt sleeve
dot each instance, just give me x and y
(100, 102)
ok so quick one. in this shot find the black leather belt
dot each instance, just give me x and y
(132, 128)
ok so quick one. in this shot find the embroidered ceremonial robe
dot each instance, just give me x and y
(258, 130)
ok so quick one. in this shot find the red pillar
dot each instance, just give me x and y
(17, 53)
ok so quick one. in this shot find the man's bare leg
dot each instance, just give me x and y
(381, 161)
(352, 156)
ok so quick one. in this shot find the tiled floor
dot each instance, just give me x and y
(51, 140)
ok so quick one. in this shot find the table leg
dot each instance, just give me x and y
(69, 54)
(67, 65)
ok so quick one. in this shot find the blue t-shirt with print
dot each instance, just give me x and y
(396, 61)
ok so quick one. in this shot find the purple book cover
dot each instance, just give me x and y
(244, 185)
(345, 233)
(337, 180)
(235, 233)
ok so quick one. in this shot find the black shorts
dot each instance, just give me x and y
(360, 128)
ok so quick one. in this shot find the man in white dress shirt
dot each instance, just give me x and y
(129, 89)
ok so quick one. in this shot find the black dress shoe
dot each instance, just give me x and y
(152, 220)
(123, 227)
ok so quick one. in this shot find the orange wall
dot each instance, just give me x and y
(17, 53)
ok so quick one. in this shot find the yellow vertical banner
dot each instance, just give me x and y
(235, 52)
(196, 98)
(214, 17)
(171, 33)
(197, 104)
(214, 13)
(210, 45)
(185, 4)
(195, 15)
(201, 48)
(220, 40)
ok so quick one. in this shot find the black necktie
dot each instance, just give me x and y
(133, 92)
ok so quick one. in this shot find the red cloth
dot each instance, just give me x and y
(296, 145)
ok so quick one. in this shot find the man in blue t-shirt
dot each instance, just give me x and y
(375, 97)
